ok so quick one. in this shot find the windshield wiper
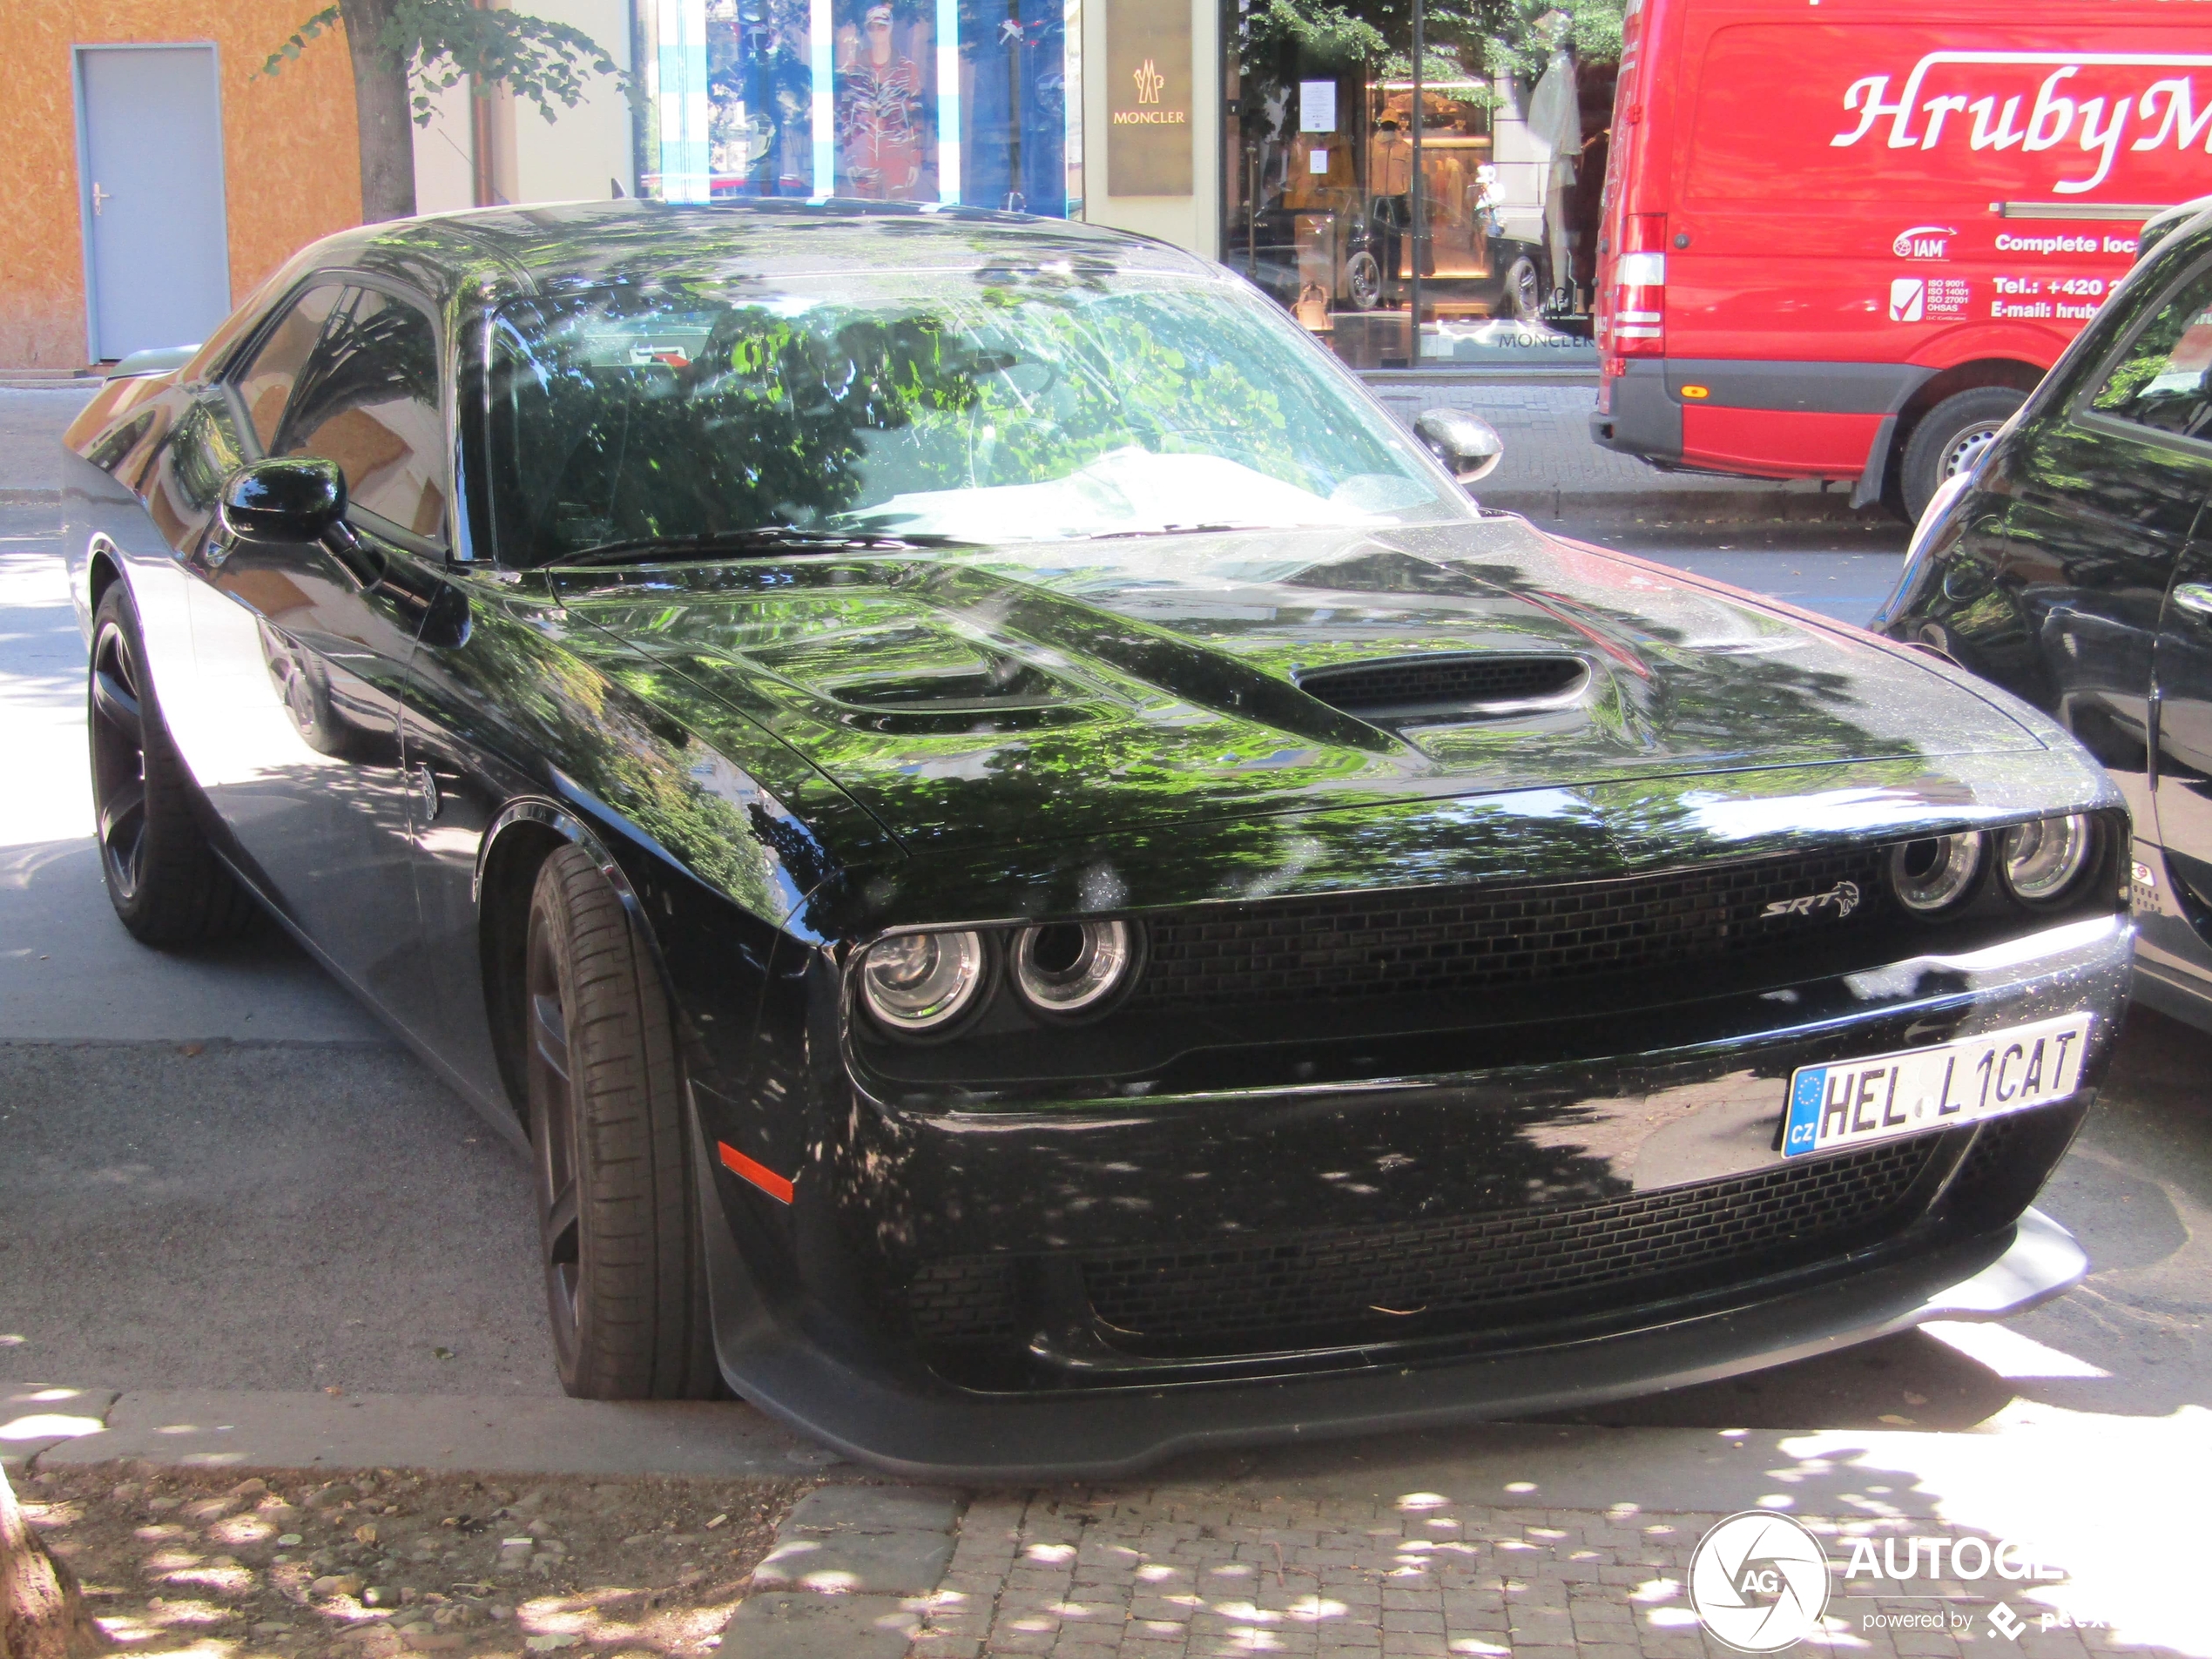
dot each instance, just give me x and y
(760, 538)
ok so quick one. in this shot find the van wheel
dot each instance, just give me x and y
(165, 881)
(618, 1214)
(1949, 438)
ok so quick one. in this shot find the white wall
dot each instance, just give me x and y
(570, 159)
(1192, 221)
(445, 178)
(573, 158)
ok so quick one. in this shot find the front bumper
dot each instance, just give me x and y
(795, 1338)
(942, 1434)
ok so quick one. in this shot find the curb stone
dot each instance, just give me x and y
(851, 1576)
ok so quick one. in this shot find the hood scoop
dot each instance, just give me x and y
(1445, 688)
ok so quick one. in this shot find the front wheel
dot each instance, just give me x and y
(166, 885)
(1951, 438)
(618, 1214)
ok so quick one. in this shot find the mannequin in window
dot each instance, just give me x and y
(879, 97)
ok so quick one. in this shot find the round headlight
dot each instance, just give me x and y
(918, 983)
(1071, 968)
(1937, 872)
(2041, 859)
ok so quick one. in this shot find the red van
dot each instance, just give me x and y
(1844, 239)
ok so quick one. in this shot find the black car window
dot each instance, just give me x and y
(2163, 379)
(368, 400)
(266, 387)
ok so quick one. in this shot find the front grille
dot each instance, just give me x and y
(1455, 939)
(1429, 686)
(1479, 1271)
(969, 1300)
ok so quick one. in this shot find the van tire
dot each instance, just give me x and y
(1950, 436)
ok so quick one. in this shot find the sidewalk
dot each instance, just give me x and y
(1505, 1542)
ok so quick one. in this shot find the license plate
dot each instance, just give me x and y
(1887, 1095)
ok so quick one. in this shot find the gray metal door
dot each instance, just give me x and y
(150, 164)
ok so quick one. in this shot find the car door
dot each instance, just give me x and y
(302, 647)
(2103, 503)
(2162, 383)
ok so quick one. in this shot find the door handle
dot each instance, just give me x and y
(2195, 597)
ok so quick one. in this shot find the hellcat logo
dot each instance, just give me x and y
(1149, 83)
(1923, 242)
(2154, 92)
(1844, 895)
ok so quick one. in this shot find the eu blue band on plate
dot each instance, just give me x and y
(1802, 1129)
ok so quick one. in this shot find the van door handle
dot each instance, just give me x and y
(2195, 597)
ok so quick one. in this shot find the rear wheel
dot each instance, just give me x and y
(1949, 438)
(618, 1219)
(163, 880)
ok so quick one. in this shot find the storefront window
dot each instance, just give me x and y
(1413, 220)
(951, 101)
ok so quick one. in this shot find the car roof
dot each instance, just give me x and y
(600, 244)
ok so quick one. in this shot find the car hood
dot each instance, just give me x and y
(1061, 690)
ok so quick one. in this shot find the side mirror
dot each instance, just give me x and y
(1467, 445)
(285, 498)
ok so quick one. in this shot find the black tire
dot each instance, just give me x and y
(618, 1221)
(163, 880)
(1949, 437)
(1523, 298)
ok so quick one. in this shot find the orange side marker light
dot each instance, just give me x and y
(760, 1174)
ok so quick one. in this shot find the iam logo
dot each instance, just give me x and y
(1148, 82)
(1923, 242)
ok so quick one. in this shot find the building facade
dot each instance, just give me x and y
(1408, 216)
(153, 174)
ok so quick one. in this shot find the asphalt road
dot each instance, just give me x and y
(217, 1172)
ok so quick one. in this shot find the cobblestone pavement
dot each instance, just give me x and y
(1181, 1572)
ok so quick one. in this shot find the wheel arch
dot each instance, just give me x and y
(1886, 465)
(103, 570)
(519, 840)
(1962, 377)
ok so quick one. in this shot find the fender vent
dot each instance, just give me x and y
(1434, 689)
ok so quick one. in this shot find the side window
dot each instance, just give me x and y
(2163, 379)
(368, 400)
(267, 386)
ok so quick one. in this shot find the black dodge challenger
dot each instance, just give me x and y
(1041, 885)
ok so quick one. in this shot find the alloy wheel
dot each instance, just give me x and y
(118, 721)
